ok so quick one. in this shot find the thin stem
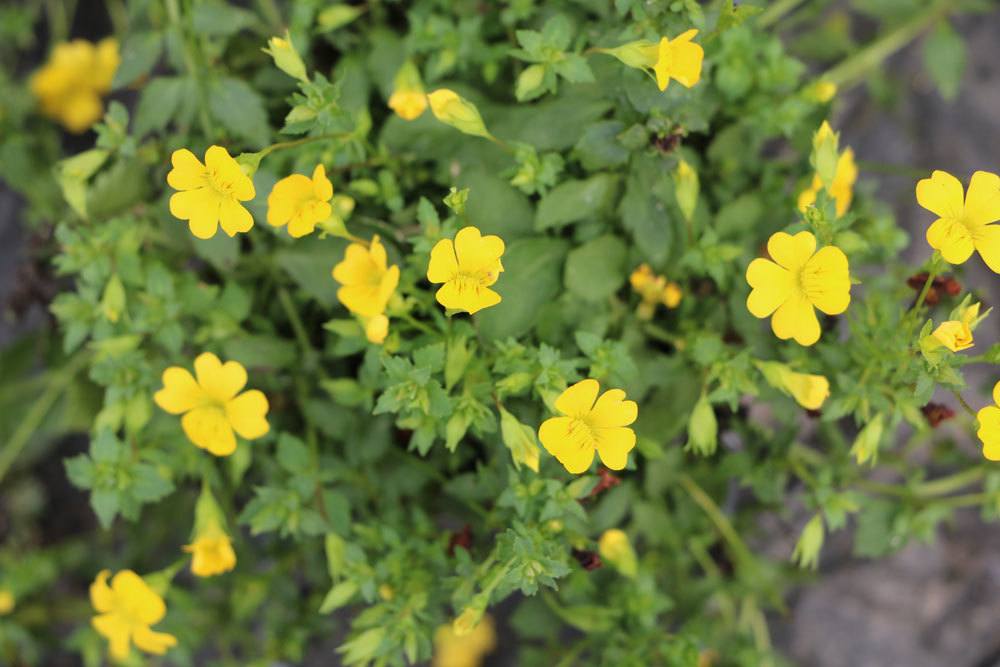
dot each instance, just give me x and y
(853, 69)
(308, 353)
(775, 11)
(945, 485)
(958, 397)
(738, 549)
(36, 414)
(191, 65)
(264, 152)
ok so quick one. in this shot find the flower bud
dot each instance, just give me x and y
(825, 153)
(641, 54)
(806, 552)
(286, 58)
(452, 109)
(865, 447)
(686, 189)
(615, 548)
(520, 440)
(408, 99)
(809, 391)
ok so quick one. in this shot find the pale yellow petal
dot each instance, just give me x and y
(234, 217)
(941, 194)
(180, 391)
(247, 414)
(568, 443)
(209, 428)
(221, 381)
(153, 642)
(188, 173)
(579, 398)
(443, 264)
(827, 281)
(987, 242)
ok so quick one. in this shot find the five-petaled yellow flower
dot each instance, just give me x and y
(842, 188)
(796, 279)
(590, 424)
(212, 405)
(467, 267)
(300, 202)
(367, 283)
(956, 335)
(125, 611)
(70, 85)
(963, 225)
(210, 193)
(989, 426)
(678, 59)
(468, 650)
(654, 290)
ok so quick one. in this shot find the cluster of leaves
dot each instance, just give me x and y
(378, 456)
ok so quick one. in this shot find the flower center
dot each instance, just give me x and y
(470, 281)
(581, 433)
(216, 182)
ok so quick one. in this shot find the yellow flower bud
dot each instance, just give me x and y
(806, 552)
(615, 548)
(865, 447)
(408, 99)
(7, 601)
(809, 391)
(641, 54)
(825, 153)
(686, 188)
(466, 621)
(452, 109)
(286, 58)
(821, 91)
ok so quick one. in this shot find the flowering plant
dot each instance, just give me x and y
(496, 360)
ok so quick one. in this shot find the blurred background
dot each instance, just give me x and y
(927, 605)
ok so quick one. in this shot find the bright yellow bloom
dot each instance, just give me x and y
(7, 601)
(367, 281)
(654, 290)
(956, 335)
(842, 188)
(212, 405)
(796, 279)
(70, 85)
(408, 99)
(468, 650)
(989, 426)
(467, 267)
(212, 554)
(300, 202)
(210, 193)
(679, 59)
(125, 611)
(615, 548)
(963, 225)
(590, 424)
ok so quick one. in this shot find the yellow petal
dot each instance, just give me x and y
(996, 393)
(827, 281)
(188, 172)
(772, 286)
(133, 594)
(570, 445)
(233, 217)
(989, 431)
(464, 296)
(476, 252)
(209, 428)
(211, 555)
(791, 252)
(941, 194)
(356, 268)
(221, 381)
(687, 60)
(578, 399)
(285, 198)
(613, 446)
(200, 207)
(809, 391)
(443, 264)
(376, 329)
(796, 319)
(322, 187)
(361, 300)
(247, 413)
(180, 391)
(228, 171)
(376, 252)
(982, 201)
(116, 630)
(662, 68)
(101, 596)
(153, 642)
(611, 410)
(952, 239)
(987, 242)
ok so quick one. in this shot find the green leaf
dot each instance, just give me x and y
(160, 102)
(644, 214)
(309, 263)
(530, 280)
(495, 207)
(105, 505)
(220, 20)
(576, 200)
(599, 147)
(945, 58)
(261, 351)
(240, 110)
(139, 54)
(596, 270)
(338, 596)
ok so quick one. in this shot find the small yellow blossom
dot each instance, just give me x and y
(467, 267)
(842, 188)
(654, 290)
(956, 335)
(963, 225)
(210, 194)
(468, 650)
(810, 391)
(286, 58)
(376, 328)
(211, 549)
(212, 405)
(452, 109)
(796, 280)
(678, 58)
(408, 98)
(989, 426)
(590, 424)
(300, 202)
(70, 85)
(7, 601)
(125, 611)
(821, 91)
(367, 281)
(615, 548)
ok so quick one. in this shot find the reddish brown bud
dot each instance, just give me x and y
(461, 538)
(935, 413)
(588, 560)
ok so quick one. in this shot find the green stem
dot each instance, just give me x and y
(191, 65)
(36, 414)
(945, 485)
(775, 11)
(308, 353)
(968, 408)
(737, 548)
(853, 69)
(965, 500)
(264, 152)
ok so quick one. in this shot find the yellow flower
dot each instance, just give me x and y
(468, 650)
(376, 328)
(810, 391)
(654, 290)
(408, 99)
(798, 279)
(210, 193)
(615, 548)
(842, 188)
(956, 335)
(821, 91)
(212, 405)
(452, 109)
(125, 611)
(300, 202)
(467, 267)
(367, 282)
(212, 554)
(679, 59)
(989, 427)
(963, 225)
(590, 424)
(70, 85)
(7, 601)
